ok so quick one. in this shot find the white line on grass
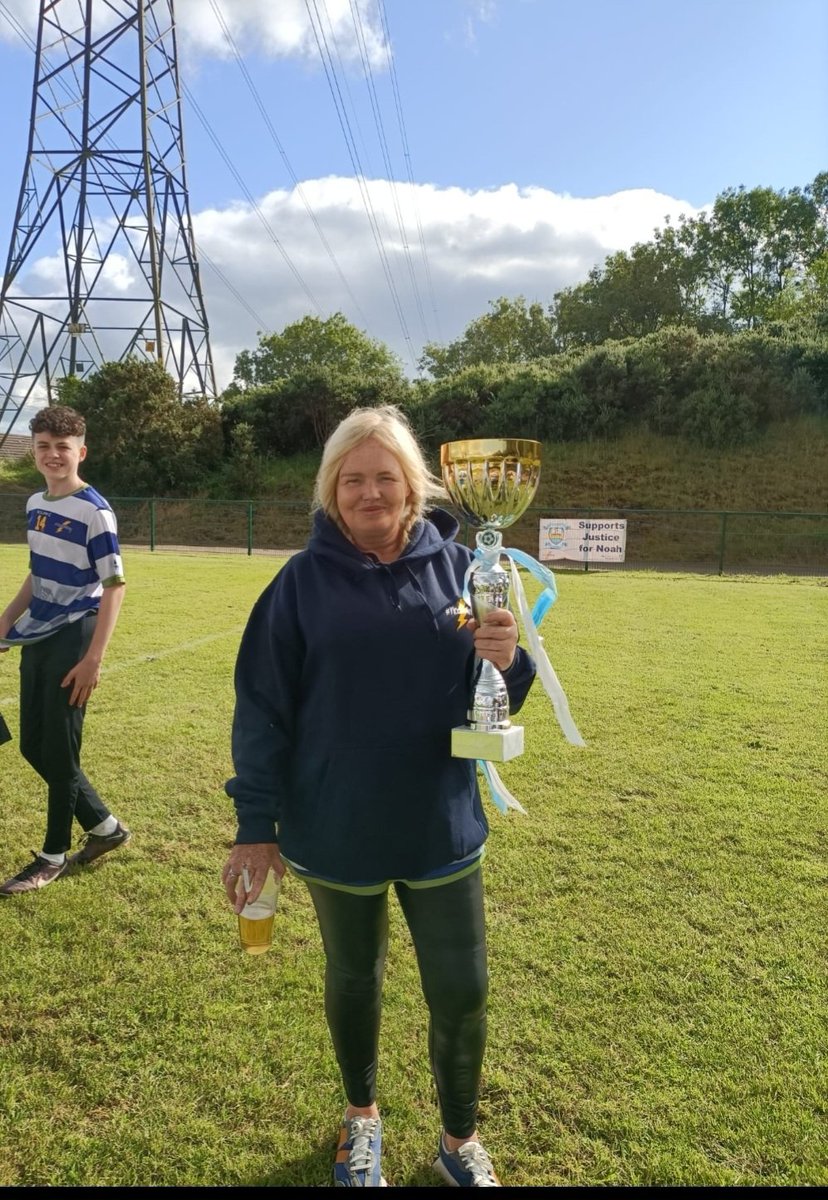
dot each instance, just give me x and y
(6, 701)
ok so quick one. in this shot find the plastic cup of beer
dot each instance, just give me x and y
(256, 919)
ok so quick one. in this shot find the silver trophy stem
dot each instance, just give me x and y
(489, 733)
(490, 700)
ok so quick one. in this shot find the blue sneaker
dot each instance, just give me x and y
(470, 1166)
(357, 1162)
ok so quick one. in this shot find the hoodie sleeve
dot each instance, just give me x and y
(266, 681)
(519, 678)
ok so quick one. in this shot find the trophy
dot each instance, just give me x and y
(492, 481)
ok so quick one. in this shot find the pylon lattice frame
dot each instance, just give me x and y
(105, 175)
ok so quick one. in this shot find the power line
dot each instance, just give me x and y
(16, 26)
(211, 133)
(407, 156)
(31, 45)
(375, 106)
(274, 135)
(90, 85)
(263, 325)
(336, 94)
(345, 124)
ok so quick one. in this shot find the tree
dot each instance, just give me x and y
(635, 293)
(513, 332)
(722, 271)
(756, 244)
(312, 344)
(805, 298)
(295, 415)
(798, 256)
(295, 388)
(143, 439)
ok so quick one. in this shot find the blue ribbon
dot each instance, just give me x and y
(501, 796)
(494, 791)
(544, 576)
(548, 595)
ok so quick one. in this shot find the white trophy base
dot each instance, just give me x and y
(494, 745)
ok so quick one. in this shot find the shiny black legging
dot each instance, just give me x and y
(448, 930)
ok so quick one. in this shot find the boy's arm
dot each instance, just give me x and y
(16, 609)
(83, 678)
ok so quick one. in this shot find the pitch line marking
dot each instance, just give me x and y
(7, 701)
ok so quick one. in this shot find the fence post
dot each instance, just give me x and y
(249, 527)
(152, 523)
(722, 539)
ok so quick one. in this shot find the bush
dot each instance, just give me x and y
(143, 439)
(458, 406)
(716, 415)
(295, 415)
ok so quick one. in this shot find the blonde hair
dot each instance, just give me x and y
(387, 425)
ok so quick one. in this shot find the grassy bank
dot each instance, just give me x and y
(784, 470)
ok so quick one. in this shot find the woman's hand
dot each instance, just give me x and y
(496, 637)
(259, 858)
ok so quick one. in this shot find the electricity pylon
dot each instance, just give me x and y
(102, 261)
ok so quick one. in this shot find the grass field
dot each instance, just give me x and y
(657, 921)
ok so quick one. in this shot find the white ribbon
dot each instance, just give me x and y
(502, 797)
(531, 618)
(546, 671)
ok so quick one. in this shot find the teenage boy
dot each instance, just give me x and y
(63, 617)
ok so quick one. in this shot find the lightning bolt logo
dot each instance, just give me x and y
(462, 613)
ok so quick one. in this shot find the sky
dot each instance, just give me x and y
(449, 152)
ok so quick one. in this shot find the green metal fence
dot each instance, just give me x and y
(698, 540)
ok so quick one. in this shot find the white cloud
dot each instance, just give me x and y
(281, 28)
(480, 245)
(482, 12)
(23, 13)
(116, 275)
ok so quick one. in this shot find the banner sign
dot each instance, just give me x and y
(582, 540)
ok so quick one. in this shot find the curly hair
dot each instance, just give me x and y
(60, 421)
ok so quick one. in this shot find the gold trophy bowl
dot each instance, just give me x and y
(492, 481)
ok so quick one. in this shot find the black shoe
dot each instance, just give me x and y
(97, 844)
(39, 873)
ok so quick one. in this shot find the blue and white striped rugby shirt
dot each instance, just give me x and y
(73, 555)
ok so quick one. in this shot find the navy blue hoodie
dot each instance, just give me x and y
(350, 676)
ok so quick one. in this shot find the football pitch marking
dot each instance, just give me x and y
(143, 659)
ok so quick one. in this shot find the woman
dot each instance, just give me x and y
(355, 665)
